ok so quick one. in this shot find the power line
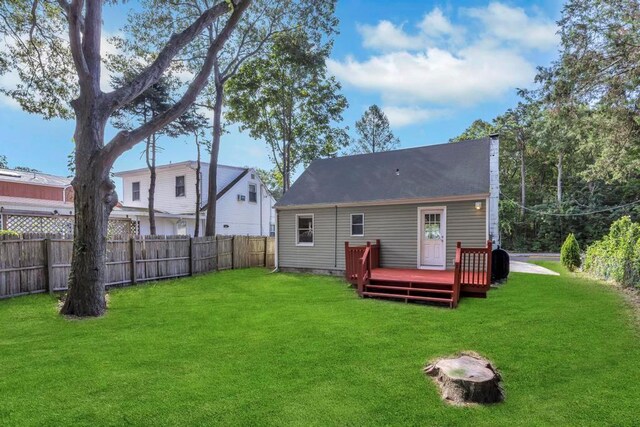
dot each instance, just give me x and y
(570, 214)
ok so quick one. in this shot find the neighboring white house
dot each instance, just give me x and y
(244, 205)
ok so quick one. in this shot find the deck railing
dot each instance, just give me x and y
(353, 259)
(475, 266)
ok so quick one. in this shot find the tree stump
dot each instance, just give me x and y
(466, 378)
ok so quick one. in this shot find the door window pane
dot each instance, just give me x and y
(432, 226)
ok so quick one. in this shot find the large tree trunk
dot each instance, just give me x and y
(210, 229)
(151, 163)
(94, 199)
(196, 229)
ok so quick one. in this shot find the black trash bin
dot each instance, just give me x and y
(499, 265)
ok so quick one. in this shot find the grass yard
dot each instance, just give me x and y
(252, 348)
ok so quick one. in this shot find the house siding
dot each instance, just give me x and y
(395, 225)
(43, 192)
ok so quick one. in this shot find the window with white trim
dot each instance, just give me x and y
(304, 230)
(357, 224)
(135, 190)
(253, 193)
(180, 189)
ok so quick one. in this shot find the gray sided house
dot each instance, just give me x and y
(418, 202)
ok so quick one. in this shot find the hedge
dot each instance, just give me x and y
(617, 256)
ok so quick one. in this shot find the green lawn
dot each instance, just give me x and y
(248, 347)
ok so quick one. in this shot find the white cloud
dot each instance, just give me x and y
(9, 81)
(513, 24)
(436, 24)
(387, 36)
(446, 63)
(405, 116)
(438, 76)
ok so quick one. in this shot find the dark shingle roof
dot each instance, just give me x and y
(444, 170)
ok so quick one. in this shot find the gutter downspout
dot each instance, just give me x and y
(277, 246)
(335, 239)
(261, 233)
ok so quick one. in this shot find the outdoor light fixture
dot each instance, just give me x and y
(478, 205)
(397, 172)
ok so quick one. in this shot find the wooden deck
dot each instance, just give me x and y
(408, 275)
(471, 276)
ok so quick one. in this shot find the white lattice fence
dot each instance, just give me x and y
(64, 225)
(40, 224)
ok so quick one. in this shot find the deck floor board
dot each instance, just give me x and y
(409, 275)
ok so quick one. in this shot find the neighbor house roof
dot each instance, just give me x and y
(36, 178)
(435, 171)
(189, 163)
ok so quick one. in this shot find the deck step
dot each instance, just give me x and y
(408, 297)
(402, 288)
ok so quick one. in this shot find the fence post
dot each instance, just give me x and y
(132, 248)
(233, 249)
(265, 253)
(191, 258)
(49, 261)
(216, 259)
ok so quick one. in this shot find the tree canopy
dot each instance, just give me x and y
(287, 99)
(374, 133)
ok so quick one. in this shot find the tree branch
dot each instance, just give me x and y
(125, 140)
(177, 42)
(75, 41)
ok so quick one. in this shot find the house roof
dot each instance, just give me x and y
(228, 187)
(36, 178)
(434, 171)
(188, 163)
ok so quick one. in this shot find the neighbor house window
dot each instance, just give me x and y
(253, 193)
(135, 191)
(272, 230)
(357, 224)
(304, 230)
(180, 186)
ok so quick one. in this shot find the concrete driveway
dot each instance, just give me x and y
(526, 267)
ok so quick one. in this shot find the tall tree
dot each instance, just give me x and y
(49, 68)
(518, 125)
(265, 19)
(374, 132)
(288, 100)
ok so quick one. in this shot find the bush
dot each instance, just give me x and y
(9, 233)
(570, 253)
(617, 256)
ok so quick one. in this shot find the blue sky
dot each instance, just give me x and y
(433, 67)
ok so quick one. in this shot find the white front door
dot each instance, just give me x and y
(432, 238)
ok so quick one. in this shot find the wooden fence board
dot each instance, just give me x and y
(257, 251)
(38, 262)
(225, 252)
(240, 252)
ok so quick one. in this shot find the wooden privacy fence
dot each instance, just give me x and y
(34, 263)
